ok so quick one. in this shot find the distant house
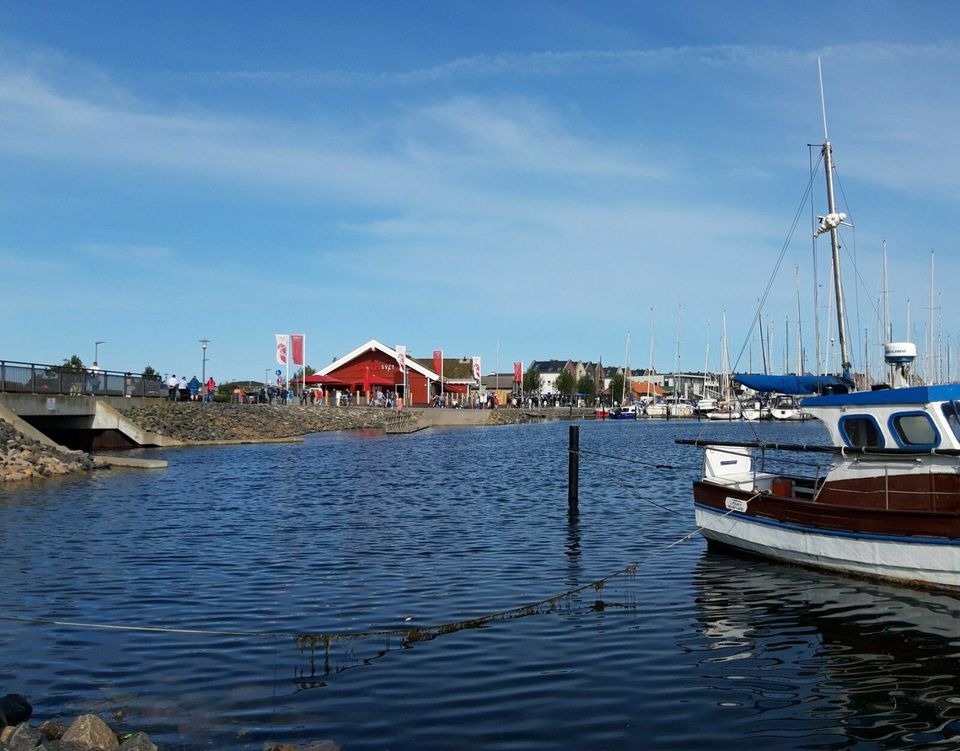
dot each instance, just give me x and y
(550, 370)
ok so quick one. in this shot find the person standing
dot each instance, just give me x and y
(184, 389)
(172, 387)
(211, 388)
(94, 378)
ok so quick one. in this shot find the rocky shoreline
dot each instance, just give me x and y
(88, 733)
(196, 422)
(22, 458)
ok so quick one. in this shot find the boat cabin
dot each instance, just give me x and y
(921, 418)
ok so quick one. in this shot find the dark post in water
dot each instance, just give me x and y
(573, 478)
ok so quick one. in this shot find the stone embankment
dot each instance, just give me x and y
(22, 458)
(195, 422)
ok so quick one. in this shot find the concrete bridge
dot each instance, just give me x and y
(87, 423)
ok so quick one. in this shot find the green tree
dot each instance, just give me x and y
(532, 382)
(72, 364)
(587, 387)
(566, 384)
(298, 376)
(617, 393)
(149, 372)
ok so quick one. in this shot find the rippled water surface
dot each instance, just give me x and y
(353, 533)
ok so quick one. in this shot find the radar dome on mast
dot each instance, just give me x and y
(900, 355)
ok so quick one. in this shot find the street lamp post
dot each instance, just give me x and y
(96, 352)
(203, 371)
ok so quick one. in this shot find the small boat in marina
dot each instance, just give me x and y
(881, 499)
(726, 410)
(627, 412)
(656, 409)
(785, 407)
(733, 410)
(705, 406)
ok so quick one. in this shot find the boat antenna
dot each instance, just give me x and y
(830, 223)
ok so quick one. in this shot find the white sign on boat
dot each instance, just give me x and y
(735, 504)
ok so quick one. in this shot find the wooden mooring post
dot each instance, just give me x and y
(573, 471)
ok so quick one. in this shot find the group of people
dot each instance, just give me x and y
(183, 390)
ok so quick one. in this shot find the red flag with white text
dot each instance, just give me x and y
(437, 361)
(518, 372)
(296, 341)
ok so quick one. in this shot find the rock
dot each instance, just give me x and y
(24, 738)
(60, 745)
(14, 709)
(91, 731)
(320, 746)
(53, 730)
(138, 742)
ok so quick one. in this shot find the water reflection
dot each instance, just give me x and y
(878, 663)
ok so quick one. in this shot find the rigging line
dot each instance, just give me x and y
(853, 260)
(776, 268)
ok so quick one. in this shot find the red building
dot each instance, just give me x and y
(375, 367)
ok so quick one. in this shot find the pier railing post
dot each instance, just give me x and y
(573, 472)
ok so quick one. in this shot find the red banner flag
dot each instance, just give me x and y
(438, 361)
(518, 372)
(296, 341)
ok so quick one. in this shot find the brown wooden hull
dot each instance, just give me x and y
(862, 519)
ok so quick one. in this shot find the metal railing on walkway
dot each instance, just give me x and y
(36, 378)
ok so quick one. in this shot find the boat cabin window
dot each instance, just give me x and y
(951, 410)
(914, 430)
(861, 431)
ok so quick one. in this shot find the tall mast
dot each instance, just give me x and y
(931, 364)
(830, 223)
(796, 271)
(887, 323)
(626, 371)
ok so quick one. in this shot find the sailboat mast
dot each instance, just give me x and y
(626, 371)
(931, 365)
(796, 271)
(830, 223)
(845, 362)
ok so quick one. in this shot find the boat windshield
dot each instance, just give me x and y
(951, 410)
(861, 431)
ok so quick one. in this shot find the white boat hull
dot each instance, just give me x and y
(896, 558)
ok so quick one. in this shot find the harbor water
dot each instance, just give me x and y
(365, 545)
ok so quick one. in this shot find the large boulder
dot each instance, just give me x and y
(24, 738)
(93, 732)
(138, 742)
(14, 709)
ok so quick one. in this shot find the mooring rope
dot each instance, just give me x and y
(655, 465)
(408, 634)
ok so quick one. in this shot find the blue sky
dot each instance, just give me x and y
(515, 180)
